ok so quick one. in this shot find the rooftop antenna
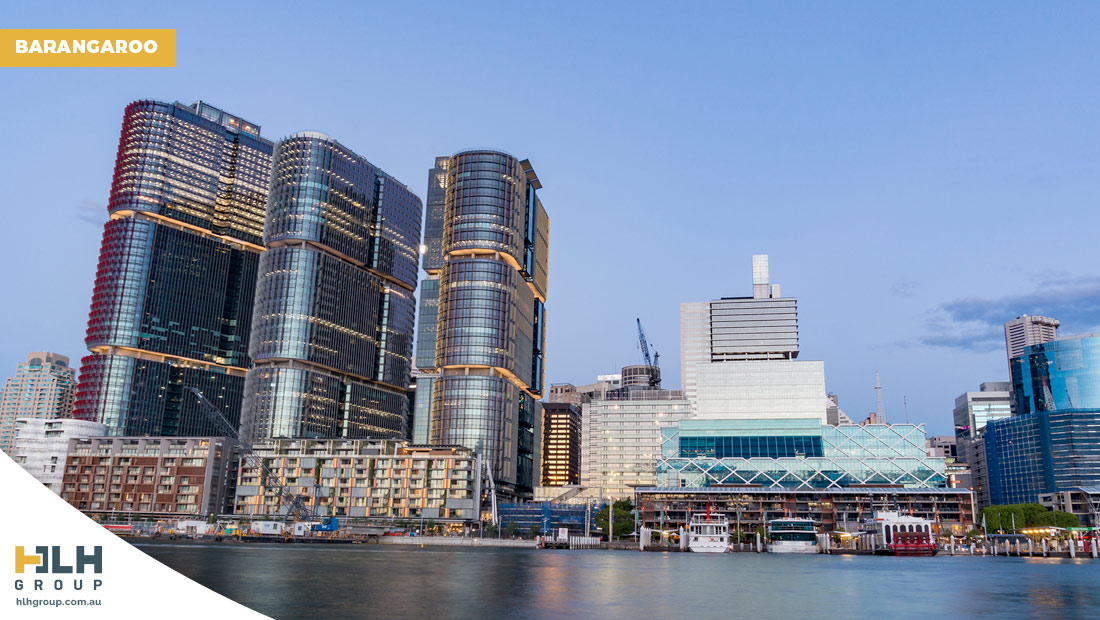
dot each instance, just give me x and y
(905, 403)
(880, 409)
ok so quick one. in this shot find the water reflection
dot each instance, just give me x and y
(286, 581)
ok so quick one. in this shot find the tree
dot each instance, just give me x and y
(511, 529)
(1065, 519)
(624, 518)
(535, 530)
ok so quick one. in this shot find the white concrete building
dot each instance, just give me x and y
(761, 390)
(621, 438)
(41, 445)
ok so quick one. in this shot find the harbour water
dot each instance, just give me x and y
(383, 581)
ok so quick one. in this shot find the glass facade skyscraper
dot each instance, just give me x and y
(172, 302)
(491, 325)
(427, 317)
(332, 331)
(1052, 444)
(1058, 375)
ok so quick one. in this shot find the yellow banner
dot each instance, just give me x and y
(88, 47)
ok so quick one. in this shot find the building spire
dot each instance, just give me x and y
(880, 409)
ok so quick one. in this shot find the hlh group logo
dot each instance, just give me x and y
(52, 561)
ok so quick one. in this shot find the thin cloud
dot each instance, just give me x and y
(978, 324)
(91, 212)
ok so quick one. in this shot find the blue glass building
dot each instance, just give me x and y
(1053, 442)
(796, 453)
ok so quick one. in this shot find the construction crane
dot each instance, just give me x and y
(492, 492)
(655, 361)
(297, 509)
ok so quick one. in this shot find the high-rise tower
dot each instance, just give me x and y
(42, 388)
(1027, 330)
(172, 303)
(429, 298)
(492, 324)
(333, 324)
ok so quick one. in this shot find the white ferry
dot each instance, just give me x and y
(792, 536)
(709, 533)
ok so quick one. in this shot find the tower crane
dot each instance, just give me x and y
(655, 361)
(297, 509)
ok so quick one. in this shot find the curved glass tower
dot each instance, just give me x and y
(172, 302)
(491, 324)
(332, 330)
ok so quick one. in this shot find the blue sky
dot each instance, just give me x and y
(919, 173)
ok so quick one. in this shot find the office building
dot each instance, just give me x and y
(1052, 442)
(738, 356)
(1031, 454)
(621, 441)
(491, 320)
(833, 413)
(428, 315)
(41, 445)
(362, 478)
(172, 302)
(43, 388)
(833, 509)
(332, 330)
(1081, 501)
(561, 445)
(164, 476)
(795, 453)
(942, 446)
(565, 393)
(1058, 375)
(761, 389)
(972, 452)
(973, 410)
(1025, 331)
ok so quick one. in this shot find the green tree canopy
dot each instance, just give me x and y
(624, 518)
(1000, 518)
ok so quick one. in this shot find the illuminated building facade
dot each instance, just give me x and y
(332, 331)
(561, 445)
(172, 302)
(360, 478)
(491, 324)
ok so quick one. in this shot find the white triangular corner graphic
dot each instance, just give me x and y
(130, 585)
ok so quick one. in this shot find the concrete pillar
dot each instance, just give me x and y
(1030, 548)
(759, 547)
(1072, 548)
(1092, 544)
(1044, 547)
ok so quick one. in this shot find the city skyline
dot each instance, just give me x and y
(935, 153)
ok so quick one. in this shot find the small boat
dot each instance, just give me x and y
(792, 536)
(709, 533)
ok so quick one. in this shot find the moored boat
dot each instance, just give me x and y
(792, 536)
(709, 533)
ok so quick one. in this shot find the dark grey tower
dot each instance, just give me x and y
(333, 324)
